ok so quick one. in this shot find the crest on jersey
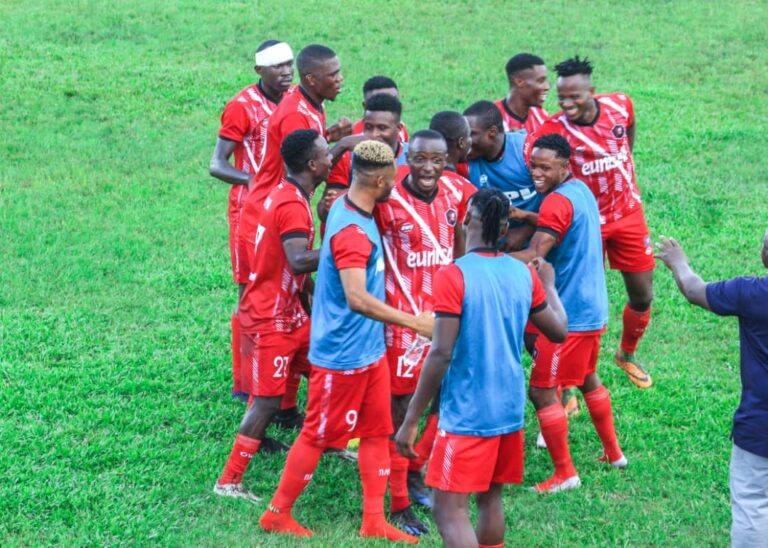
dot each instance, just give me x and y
(405, 228)
(451, 216)
(618, 131)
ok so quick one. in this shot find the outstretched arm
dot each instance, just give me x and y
(691, 285)
(541, 243)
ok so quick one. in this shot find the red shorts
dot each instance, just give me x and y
(567, 363)
(348, 404)
(237, 245)
(628, 244)
(403, 378)
(268, 358)
(470, 464)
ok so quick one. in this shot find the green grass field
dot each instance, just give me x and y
(115, 288)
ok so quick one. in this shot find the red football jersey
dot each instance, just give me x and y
(417, 235)
(601, 155)
(295, 111)
(270, 301)
(532, 122)
(244, 121)
(402, 136)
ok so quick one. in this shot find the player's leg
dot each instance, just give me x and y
(289, 415)
(749, 498)
(451, 513)
(373, 425)
(240, 276)
(419, 492)
(490, 517)
(549, 364)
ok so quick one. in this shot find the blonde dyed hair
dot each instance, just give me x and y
(373, 154)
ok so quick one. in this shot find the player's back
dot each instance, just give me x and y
(578, 261)
(483, 391)
(270, 300)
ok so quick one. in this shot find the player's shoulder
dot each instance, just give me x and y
(402, 172)
(618, 101)
(457, 183)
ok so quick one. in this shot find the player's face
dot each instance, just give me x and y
(387, 183)
(426, 161)
(547, 170)
(533, 84)
(464, 144)
(381, 126)
(574, 95)
(322, 159)
(482, 139)
(277, 78)
(327, 78)
(389, 91)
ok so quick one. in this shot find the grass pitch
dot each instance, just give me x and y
(115, 290)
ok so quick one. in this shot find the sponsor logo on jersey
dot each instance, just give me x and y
(605, 164)
(618, 131)
(405, 228)
(483, 180)
(451, 216)
(433, 257)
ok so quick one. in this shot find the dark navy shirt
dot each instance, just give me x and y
(747, 298)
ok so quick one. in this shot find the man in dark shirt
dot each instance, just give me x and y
(746, 298)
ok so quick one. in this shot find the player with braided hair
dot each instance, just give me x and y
(349, 384)
(484, 291)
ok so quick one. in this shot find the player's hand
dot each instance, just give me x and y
(425, 323)
(330, 196)
(544, 270)
(350, 141)
(518, 215)
(405, 438)
(670, 252)
(339, 130)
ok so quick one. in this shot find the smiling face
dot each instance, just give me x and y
(532, 84)
(426, 161)
(548, 170)
(575, 96)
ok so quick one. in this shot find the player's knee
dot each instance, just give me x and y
(260, 414)
(541, 397)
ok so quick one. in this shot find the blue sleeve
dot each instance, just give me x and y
(724, 298)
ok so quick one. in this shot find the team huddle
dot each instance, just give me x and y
(444, 253)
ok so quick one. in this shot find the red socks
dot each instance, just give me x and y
(599, 405)
(398, 480)
(423, 447)
(297, 473)
(554, 428)
(237, 385)
(634, 326)
(239, 458)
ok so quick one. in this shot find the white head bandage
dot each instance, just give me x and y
(274, 55)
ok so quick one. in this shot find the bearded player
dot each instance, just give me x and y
(479, 448)
(528, 88)
(349, 383)
(242, 133)
(374, 86)
(568, 235)
(601, 132)
(417, 226)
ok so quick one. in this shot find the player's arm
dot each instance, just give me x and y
(362, 302)
(220, 166)
(345, 145)
(541, 244)
(522, 216)
(330, 193)
(300, 259)
(516, 238)
(691, 285)
(432, 373)
(549, 316)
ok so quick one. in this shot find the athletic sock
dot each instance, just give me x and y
(554, 428)
(634, 325)
(237, 384)
(297, 473)
(291, 390)
(599, 405)
(423, 447)
(275, 521)
(398, 480)
(242, 452)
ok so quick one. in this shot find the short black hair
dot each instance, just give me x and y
(487, 113)
(493, 207)
(522, 61)
(553, 141)
(450, 124)
(378, 82)
(298, 149)
(311, 56)
(267, 44)
(384, 102)
(573, 66)
(427, 134)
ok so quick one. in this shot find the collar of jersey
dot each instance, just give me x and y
(295, 183)
(413, 192)
(349, 203)
(317, 106)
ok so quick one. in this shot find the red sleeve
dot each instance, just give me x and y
(339, 175)
(555, 215)
(292, 220)
(448, 290)
(468, 191)
(351, 248)
(539, 301)
(547, 127)
(234, 122)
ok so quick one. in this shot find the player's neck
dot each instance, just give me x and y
(475, 242)
(361, 199)
(273, 95)
(314, 98)
(516, 106)
(590, 115)
(498, 148)
(304, 181)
